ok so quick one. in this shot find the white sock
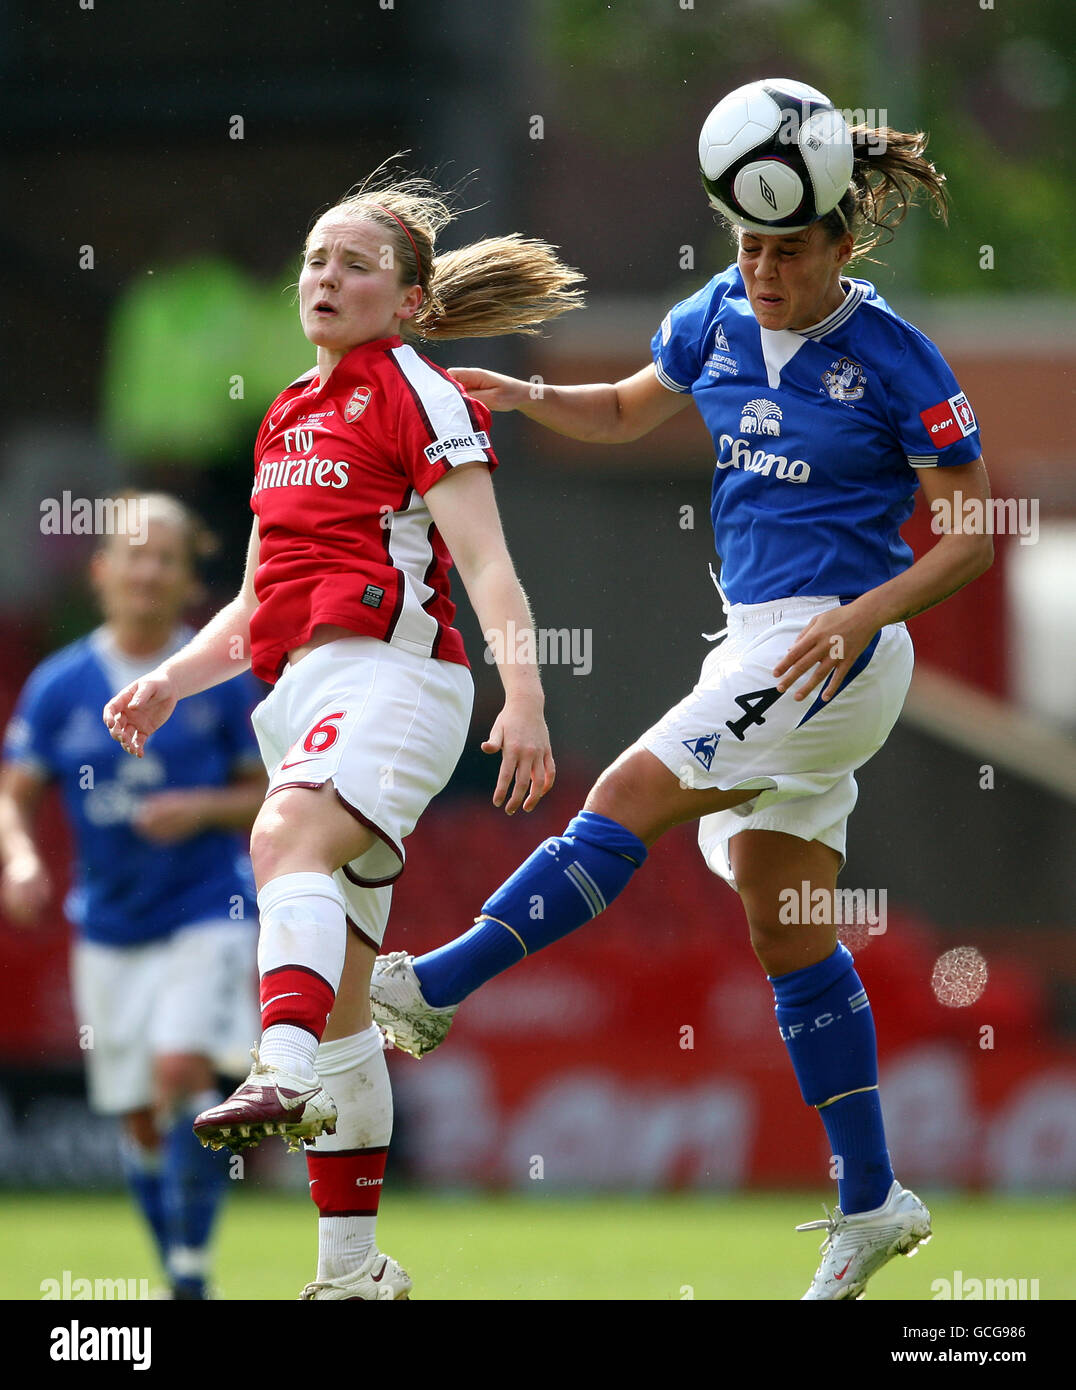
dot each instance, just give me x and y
(290, 1048)
(303, 924)
(354, 1072)
(184, 1262)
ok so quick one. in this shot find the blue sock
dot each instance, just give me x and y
(567, 881)
(192, 1182)
(856, 1134)
(142, 1170)
(825, 1021)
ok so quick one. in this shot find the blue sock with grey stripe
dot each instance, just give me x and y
(825, 1021)
(566, 882)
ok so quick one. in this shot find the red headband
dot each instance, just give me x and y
(407, 234)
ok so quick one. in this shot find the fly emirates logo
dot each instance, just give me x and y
(300, 466)
(301, 472)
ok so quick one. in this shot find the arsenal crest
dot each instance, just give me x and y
(845, 381)
(360, 399)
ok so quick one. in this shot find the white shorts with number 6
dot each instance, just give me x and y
(735, 732)
(387, 727)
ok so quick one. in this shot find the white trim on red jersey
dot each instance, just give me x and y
(453, 436)
(411, 552)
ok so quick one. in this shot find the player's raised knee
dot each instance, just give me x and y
(628, 784)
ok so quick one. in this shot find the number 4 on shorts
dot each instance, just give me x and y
(754, 703)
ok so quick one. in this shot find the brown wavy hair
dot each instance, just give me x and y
(890, 172)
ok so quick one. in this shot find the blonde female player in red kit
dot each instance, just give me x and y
(371, 471)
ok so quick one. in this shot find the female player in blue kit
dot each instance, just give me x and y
(827, 411)
(162, 899)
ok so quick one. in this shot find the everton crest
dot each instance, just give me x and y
(845, 381)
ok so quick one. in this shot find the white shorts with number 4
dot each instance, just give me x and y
(735, 732)
(387, 727)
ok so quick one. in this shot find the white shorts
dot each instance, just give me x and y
(800, 755)
(387, 727)
(195, 991)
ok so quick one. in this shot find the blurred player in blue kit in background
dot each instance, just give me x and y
(164, 961)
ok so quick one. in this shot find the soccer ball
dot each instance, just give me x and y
(775, 156)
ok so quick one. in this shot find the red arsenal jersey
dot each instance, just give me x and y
(340, 476)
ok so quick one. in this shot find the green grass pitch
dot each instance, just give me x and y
(546, 1246)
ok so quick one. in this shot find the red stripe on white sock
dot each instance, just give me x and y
(296, 995)
(348, 1182)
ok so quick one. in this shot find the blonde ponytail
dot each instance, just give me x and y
(505, 284)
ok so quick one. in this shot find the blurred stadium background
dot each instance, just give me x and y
(164, 164)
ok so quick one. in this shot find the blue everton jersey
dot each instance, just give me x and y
(125, 888)
(818, 434)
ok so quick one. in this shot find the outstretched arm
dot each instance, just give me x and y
(599, 413)
(465, 512)
(831, 642)
(221, 650)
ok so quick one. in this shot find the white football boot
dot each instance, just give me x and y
(379, 1277)
(398, 1007)
(270, 1101)
(857, 1246)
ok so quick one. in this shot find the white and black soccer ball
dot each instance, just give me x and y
(775, 156)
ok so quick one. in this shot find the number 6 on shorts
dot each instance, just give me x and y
(324, 733)
(318, 739)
